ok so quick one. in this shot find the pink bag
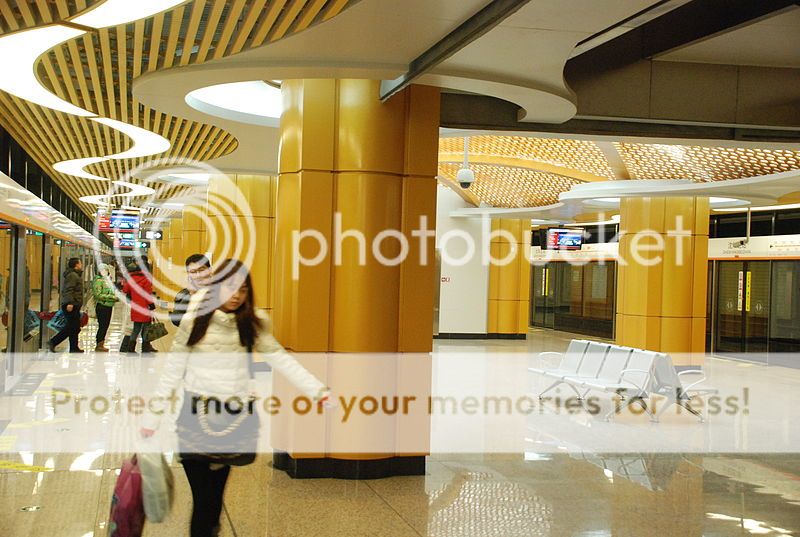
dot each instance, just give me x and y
(127, 509)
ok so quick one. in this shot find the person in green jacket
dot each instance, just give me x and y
(104, 300)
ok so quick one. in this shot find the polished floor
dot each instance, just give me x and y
(526, 493)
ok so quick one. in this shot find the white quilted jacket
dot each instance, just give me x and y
(218, 366)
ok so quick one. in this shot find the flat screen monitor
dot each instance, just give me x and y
(564, 239)
(125, 220)
(124, 244)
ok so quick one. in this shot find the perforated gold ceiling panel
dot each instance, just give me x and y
(96, 72)
(504, 186)
(699, 163)
(580, 155)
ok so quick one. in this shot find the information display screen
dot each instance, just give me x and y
(564, 239)
(118, 220)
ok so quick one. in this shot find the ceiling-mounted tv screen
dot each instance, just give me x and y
(118, 220)
(564, 239)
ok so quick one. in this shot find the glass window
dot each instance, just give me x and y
(787, 223)
(785, 307)
(598, 291)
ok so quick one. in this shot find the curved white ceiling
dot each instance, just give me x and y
(252, 101)
(521, 61)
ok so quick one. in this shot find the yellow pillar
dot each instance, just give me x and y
(509, 283)
(344, 154)
(234, 203)
(662, 282)
(343, 151)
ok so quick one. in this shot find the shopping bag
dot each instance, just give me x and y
(58, 322)
(84, 319)
(158, 485)
(153, 330)
(127, 510)
(31, 321)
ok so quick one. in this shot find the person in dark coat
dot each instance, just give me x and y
(71, 302)
(198, 272)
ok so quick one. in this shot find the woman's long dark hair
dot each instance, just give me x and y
(246, 321)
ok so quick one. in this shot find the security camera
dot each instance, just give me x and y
(465, 177)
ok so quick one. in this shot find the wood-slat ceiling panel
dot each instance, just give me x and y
(96, 72)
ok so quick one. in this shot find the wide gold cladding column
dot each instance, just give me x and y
(662, 282)
(345, 155)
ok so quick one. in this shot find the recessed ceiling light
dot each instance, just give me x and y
(254, 102)
(115, 12)
(20, 51)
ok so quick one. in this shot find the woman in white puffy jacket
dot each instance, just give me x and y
(211, 356)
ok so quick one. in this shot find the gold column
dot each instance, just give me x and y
(344, 153)
(661, 296)
(234, 202)
(509, 284)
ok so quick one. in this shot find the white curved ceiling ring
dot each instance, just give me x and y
(20, 51)
(76, 167)
(145, 143)
(252, 101)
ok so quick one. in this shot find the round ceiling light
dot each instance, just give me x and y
(254, 101)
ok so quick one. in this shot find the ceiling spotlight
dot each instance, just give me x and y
(465, 175)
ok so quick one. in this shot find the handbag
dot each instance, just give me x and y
(154, 330)
(212, 431)
(58, 322)
(158, 485)
(127, 510)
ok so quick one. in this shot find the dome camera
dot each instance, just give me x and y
(465, 177)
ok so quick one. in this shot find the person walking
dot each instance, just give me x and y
(71, 302)
(198, 272)
(212, 356)
(139, 287)
(104, 299)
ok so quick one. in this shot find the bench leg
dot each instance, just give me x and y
(685, 404)
(553, 385)
(628, 402)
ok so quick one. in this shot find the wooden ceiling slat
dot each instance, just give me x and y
(187, 47)
(231, 23)
(94, 72)
(122, 69)
(309, 15)
(287, 19)
(273, 12)
(27, 15)
(44, 11)
(155, 43)
(8, 16)
(173, 36)
(208, 36)
(336, 7)
(247, 26)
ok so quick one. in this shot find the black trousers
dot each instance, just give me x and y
(71, 330)
(135, 331)
(103, 320)
(208, 486)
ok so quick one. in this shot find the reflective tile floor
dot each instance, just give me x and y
(461, 495)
